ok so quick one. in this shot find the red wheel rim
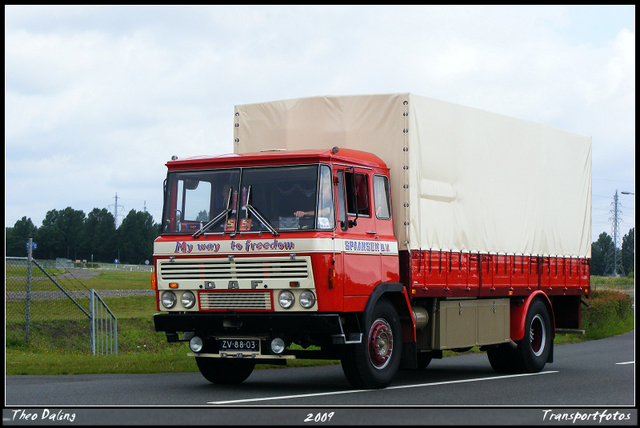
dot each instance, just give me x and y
(380, 343)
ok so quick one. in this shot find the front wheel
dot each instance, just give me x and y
(534, 348)
(424, 358)
(225, 371)
(503, 358)
(374, 362)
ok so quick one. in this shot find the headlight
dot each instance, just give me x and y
(277, 346)
(188, 299)
(168, 299)
(286, 299)
(307, 299)
(196, 344)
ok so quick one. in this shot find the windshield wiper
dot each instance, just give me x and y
(216, 221)
(259, 216)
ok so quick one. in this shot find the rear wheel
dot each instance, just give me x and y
(503, 358)
(534, 348)
(374, 362)
(225, 371)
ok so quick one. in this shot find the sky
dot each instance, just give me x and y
(98, 98)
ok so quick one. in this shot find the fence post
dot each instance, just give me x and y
(114, 334)
(92, 322)
(28, 305)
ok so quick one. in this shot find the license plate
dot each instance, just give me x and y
(240, 345)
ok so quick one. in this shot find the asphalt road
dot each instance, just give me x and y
(591, 377)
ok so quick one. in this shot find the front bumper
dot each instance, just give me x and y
(323, 328)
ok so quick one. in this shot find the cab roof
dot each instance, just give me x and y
(279, 157)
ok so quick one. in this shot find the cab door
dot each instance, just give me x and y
(357, 231)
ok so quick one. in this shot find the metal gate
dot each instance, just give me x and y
(18, 291)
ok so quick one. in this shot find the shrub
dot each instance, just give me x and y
(608, 310)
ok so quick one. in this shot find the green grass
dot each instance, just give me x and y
(140, 350)
(60, 338)
(105, 280)
(61, 346)
(610, 280)
(31, 362)
(21, 271)
(119, 280)
(42, 311)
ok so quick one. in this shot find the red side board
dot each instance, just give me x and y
(456, 274)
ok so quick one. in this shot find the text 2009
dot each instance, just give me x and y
(319, 417)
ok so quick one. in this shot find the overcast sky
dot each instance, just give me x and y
(98, 98)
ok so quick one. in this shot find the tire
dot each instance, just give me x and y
(374, 362)
(534, 348)
(424, 358)
(225, 371)
(503, 358)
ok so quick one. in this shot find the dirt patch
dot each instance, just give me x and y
(78, 274)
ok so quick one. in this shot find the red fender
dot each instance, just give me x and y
(406, 317)
(397, 294)
(519, 315)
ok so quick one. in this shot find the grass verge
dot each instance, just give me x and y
(61, 346)
(16, 279)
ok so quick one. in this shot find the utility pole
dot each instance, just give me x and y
(615, 219)
(115, 210)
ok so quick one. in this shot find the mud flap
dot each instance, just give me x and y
(409, 358)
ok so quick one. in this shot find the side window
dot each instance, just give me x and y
(381, 197)
(357, 194)
(342, 208)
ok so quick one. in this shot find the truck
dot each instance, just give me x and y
(377, 230)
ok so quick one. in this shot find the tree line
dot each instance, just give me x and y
(602, 254)
(71, 234)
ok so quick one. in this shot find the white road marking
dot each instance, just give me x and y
(352, 391)
(626, 362)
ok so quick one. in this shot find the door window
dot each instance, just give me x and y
(381, 197)
(357, 194)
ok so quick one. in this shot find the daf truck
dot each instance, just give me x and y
(378, 230)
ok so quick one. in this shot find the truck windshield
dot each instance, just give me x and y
(260, 199)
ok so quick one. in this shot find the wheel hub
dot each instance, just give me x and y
(537, 335)
(380, 343)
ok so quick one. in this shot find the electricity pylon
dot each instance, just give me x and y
(614, 261)
(115, 211)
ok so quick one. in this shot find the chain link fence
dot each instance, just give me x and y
(43, 300)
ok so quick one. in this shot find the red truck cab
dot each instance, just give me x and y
(275, 245)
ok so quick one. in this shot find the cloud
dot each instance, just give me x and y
(98, 98)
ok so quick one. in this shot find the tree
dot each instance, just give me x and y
(600, 251)
(59, 235)
(18, 235)
(50, 237)
(203, 216)
(98, 238)
(69, 233)
(135, 237)
(72, 222)
(628, 256)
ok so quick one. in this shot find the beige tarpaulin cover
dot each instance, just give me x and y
(477, 181)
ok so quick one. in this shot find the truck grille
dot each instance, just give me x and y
(229, 300)
(249, 268)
